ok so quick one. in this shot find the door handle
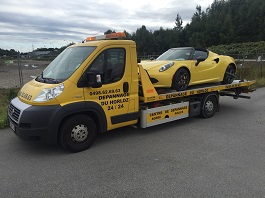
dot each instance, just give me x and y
(125, 87)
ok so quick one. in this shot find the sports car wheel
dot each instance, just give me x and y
(181, 80)
(229, 75)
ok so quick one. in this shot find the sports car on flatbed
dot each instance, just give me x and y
(179, 68)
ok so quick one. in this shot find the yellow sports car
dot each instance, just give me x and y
(179, 68)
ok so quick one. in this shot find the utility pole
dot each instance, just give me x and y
(260, 63)
(19, 70)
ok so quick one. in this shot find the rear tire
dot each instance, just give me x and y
(181, 80)
(77, 133)
(209, 106)
(229, 75)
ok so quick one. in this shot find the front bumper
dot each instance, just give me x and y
(33, 123)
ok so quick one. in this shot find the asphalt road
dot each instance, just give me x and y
(223, 156)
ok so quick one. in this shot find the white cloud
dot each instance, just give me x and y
(54, 23)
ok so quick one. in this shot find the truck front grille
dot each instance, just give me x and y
(13, 112)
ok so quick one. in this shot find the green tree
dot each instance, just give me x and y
(223, 22)
(178, 23)
(144, 40)
(109, 31)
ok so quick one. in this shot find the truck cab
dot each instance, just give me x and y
(95, 82)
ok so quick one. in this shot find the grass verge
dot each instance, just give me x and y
(5, 96)
(252, 71)
(260, 82)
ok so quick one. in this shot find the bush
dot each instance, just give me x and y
(240, 48)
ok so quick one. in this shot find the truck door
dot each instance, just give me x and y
(115, 95)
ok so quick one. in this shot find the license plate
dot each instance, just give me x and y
(12, 126)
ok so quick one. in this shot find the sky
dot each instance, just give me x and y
(31, 24)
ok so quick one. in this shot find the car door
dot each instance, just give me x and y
(203, 68)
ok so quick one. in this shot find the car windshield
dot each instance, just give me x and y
(176, 54)
(64, 65)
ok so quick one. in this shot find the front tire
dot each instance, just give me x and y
(77, 133)
(230, 74)
(181, 80)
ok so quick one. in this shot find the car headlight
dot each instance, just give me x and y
(165, 67)
(48, 94)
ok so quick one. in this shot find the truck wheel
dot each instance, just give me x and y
(181, 80)
(229, 75)
(209, 106)
(77, 133)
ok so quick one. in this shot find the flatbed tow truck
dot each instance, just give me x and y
(70, 103)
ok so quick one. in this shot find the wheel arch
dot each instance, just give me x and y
(233, 64)
(225, 69)
(226, 62)
(90, 113)
(182, 67)
(91, 109)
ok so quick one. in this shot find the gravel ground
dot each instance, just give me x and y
(9, 74)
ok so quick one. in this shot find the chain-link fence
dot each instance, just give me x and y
(250, 66)
(15, 72)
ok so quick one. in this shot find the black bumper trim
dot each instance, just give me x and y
(124, 117)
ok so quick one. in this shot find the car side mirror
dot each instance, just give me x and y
(90, 79)
(199, 60)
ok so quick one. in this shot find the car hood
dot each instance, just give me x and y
(154, 64)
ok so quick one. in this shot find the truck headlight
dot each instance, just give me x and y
(165, 67)
(48, 94)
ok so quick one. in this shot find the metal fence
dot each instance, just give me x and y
(250, 66)
(15, 72)
(18, 71)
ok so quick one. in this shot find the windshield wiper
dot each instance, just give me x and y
(39, 78)
(45, 80)
(50, 80)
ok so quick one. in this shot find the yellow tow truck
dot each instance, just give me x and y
(99, 85)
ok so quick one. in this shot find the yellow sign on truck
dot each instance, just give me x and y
(97, 86)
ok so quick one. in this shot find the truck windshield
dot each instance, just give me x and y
(176, 54)
(64, 65)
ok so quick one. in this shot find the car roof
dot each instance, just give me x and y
(191, 48)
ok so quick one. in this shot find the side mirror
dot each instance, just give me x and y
(199, 60)
(94, 80)
(90, 79)
(152, 58)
